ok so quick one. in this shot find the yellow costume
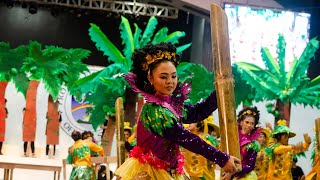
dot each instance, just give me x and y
(262, 161)
(282, 155)
(80, 157)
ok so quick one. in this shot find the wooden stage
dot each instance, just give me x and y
(9, 163)
(15, 168)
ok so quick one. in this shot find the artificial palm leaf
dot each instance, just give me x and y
(270, 62)
(183, 47)
(202, 78)
(75, 66)
(21, 82)
(148, 32)
(161, 34)
(105, 45)
(92, 81)
(263, 89)
(136, 36)
(127, 39)
(300, 66)
(11, 61)
(281, 57)
(174, 37)
(242, 91)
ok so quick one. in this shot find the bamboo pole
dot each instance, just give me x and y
(119, 130)
(317, 122)
(224, 82)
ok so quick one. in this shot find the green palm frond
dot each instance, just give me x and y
(161, 34)
(183, 47)
(174, 37)
(270, 62)
(263, 88)
(21, 82)
(281, 57)
(300, 67)
(75, 66)
(148, 32)
(91, 82)
(104, 102)
(136, 36)
(105, 45)
(243, 92)
(127, 39)
(202, 78)
(52, 84)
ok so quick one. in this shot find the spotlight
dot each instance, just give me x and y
(33, 9)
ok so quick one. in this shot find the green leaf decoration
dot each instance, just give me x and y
(136, 36)
(204, 79)
(174, 37)
(161, 34)
(183, 47)
(21, 82)
(148, 32)
(105, 45)
(127, 39)
(281, 57)
(270, 62)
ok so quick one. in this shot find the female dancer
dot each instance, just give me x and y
(159, 130)
(248, 118)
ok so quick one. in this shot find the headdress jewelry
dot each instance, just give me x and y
(248, 112)
(151, 58)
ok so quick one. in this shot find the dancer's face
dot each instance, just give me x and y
(284, 139)
(164, 78)
(247, 125)
(262, 139)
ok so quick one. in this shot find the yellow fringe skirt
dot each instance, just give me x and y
(132, 168)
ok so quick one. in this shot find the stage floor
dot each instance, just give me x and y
(27, 174)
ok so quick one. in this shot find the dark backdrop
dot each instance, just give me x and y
(70, 28)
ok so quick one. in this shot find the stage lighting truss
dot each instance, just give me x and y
(127, 7)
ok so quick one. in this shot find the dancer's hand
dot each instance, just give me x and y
(307, 138)
(232, 165)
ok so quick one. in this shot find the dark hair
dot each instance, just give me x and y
(129, 130)
(200, 125)
(76, 135)
(86, 134)
(102, 168)
(139, 58)
(295, 159)
(249, 112)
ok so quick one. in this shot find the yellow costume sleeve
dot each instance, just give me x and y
(300, 147)
(96, 148)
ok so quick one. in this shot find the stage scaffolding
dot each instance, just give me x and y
(127, 7)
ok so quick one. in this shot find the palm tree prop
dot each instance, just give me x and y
(274, 83)
(11, 61)
(54, 66)
(203, 86)
(103, 87)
